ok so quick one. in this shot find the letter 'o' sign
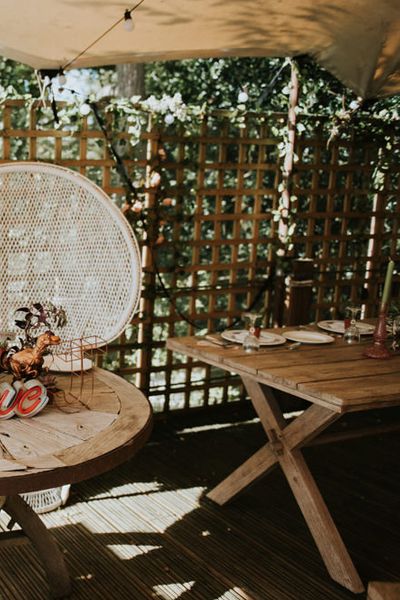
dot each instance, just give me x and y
(22, 399)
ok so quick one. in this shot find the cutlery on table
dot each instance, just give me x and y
(211, 339)
(293, 346)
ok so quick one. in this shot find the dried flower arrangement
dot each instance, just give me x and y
(24, 359)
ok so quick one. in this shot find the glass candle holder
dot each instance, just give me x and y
(352, 333)
(251, 342)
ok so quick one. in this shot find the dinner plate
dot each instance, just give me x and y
(338, 327)
(57, 364)
(266, 339)
(308, 337)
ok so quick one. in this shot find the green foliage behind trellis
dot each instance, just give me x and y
(215, 247)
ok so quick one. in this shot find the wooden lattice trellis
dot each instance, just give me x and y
(346, 227)
(219, 249)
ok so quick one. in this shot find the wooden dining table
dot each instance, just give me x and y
(335, 379)
(94, 421)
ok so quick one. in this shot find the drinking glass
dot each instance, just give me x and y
(251, 342)
(352, 333)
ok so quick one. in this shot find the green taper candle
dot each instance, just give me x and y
(388, 283)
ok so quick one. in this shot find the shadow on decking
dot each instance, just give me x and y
(145, 530)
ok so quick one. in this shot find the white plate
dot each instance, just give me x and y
(308, 337)
(338, 327)
(266, 339)
(62, 365)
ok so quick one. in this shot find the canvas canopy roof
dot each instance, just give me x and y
(357, 40)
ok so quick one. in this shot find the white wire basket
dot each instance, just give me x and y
(45, 501)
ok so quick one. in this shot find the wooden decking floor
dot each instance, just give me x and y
(144, 531)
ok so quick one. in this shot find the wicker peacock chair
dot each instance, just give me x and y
(63, 240)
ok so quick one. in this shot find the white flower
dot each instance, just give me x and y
(169, 119)
(242, 97)
(134, 130)
(137, 206)
(164, 104)
(354, 104)
(175, 102)
(151, 104)
(155, 179)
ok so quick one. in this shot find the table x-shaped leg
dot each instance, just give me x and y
(46, 547)
(283, 448)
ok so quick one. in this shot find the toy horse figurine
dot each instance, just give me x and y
(28, 363)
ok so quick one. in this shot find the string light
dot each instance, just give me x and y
(61, 78)
(128, 22)
(84, 109)
(126, 18)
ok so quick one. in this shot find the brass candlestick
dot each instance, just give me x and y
(378, 348)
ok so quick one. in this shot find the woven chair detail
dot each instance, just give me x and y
(64, 240)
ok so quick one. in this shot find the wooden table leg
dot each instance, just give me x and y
(49, 552)
(252, 469)
(283, 448)
(320, 523)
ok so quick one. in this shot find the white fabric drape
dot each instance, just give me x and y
(357, 40)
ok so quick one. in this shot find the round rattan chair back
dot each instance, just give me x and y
(63, 240)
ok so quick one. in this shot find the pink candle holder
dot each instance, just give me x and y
(378, 348)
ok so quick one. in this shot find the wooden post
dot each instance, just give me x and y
(279, 298)
(299, 292)
(289, 156)
(149, 271)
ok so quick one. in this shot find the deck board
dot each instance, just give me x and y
(144, 530)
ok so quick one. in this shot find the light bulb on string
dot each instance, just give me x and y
(84, 109)
(169, 119)
(61, 78)
(128, 22)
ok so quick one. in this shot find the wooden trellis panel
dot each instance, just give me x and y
(224, 183)
(343, 224)
(216, 247)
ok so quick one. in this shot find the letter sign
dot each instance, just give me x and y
(22, 399)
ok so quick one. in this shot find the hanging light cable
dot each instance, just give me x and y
(122, 19)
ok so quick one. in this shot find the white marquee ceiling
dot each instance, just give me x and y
(357, 40)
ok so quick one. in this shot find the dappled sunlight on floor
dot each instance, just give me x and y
(146, 530)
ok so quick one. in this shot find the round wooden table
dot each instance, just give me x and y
(95, 422)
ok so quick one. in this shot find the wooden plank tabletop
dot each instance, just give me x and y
(335, 375)
(92, 425)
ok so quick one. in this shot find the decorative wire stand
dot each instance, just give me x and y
(72, 352)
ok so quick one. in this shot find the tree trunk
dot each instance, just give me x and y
(130, 80)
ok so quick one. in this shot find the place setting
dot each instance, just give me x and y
(349, 329)
(253, 337)
(304, 336)
(339, 327)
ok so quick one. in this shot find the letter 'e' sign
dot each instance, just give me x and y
(22, 399)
